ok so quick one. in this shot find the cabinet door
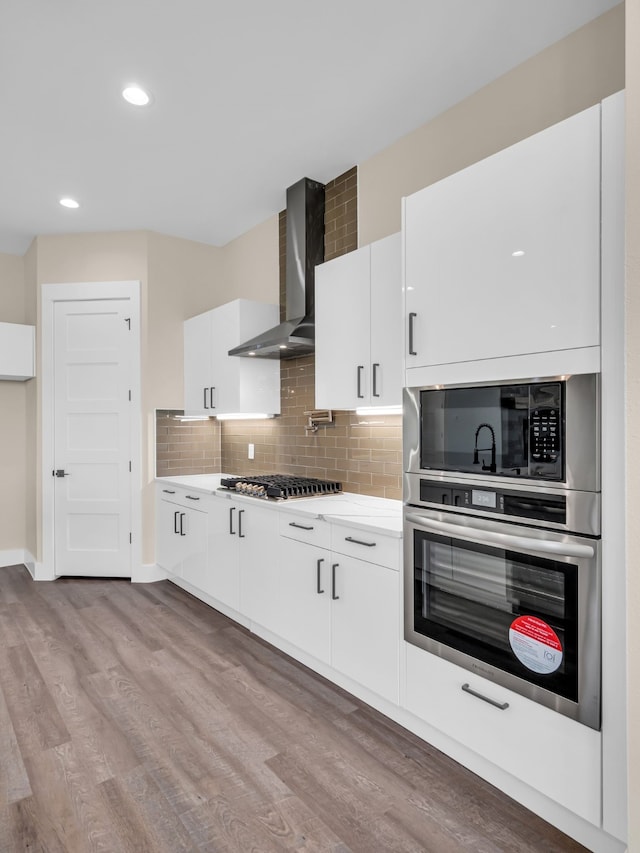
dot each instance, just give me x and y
(168, 544)
(223, 575)
(342, 311)
(226, 369)
(17, 351)
(365, 625)
(259, 564)
(305, 594)
(194, 547)
(197, 365)
(503, 258)
(386, 322)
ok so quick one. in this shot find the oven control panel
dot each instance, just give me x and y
(507, 502)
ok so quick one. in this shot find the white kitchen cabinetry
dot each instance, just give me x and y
(551, 753)
(243, 558)
(343, 610)
(503, 257)
(305, 591)
(358, 308)
(258, 549)
(17, 351)
(218, 384)
(181, 534)
(365, 613)
(222, 551)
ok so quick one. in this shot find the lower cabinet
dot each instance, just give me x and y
(242, 563)
(365, 629)
(181, 534)
(258, 546)
(305, 586)
(551, 753)
(343, 610)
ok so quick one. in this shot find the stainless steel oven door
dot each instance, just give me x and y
(517, 605)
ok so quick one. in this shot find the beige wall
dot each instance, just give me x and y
(251, 265)
(571, 75)
(13, 403)
(633, 408)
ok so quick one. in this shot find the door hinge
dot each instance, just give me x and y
(129, 466)
(128, 322)
(129, 396)
(130, 539)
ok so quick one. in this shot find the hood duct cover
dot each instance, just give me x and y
(295, 336)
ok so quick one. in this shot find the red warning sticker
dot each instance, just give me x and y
(535, 644)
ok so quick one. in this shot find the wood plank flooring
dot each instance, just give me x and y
(134, 718)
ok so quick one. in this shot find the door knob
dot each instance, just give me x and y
(60, 472)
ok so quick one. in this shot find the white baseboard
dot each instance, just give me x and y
(14, 557)
(149, 573)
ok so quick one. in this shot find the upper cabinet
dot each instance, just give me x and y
(503, 258)
(218, 384)
(17, 351)
(358, 310)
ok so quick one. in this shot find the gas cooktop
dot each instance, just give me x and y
(280, 486)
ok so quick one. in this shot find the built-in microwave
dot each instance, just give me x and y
(537, 431)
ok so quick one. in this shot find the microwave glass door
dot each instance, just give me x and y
(511, 610)
(508, 430)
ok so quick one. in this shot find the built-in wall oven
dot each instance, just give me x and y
(502, 535)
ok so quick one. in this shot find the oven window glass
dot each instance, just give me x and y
(511, 610)
(509, 430)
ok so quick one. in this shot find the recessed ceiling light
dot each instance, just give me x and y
(517, 254)
(69, 202)
(136, 96)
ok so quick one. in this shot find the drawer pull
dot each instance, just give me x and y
(501, 705)
(169, 491)
(191, 498)
(359, 541)
(300, 526)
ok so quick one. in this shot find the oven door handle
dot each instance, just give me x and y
(503, 540)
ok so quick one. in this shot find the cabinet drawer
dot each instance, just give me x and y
(313, 531)
(369, 545)
(183, 497)
(551, 753)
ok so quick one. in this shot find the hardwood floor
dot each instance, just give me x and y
(135, 718)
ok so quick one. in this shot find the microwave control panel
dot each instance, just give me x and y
(509, 503)
(545, 430)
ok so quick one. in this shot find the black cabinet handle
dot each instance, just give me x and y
(359, 392)
(501, 705)
(191, 498)
(412, 316)
(175, 521)
(318, 564)
(231, 511)
(240, 533)
(211, 390)
(205, 398)
(374, 372)
(169, 491)
(300, 526)
(182, 533)
(333, 581)
(359, 541)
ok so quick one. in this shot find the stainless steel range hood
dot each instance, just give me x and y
(295, 336)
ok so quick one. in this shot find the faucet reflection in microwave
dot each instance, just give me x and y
(476, 461)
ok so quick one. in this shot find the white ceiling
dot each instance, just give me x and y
(249, 96)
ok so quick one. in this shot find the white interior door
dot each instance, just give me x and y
(92, 437)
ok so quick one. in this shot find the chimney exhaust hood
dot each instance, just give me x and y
(295, 336)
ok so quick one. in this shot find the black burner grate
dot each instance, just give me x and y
(281, 486)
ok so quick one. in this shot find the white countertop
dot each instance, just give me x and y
(362, 511)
